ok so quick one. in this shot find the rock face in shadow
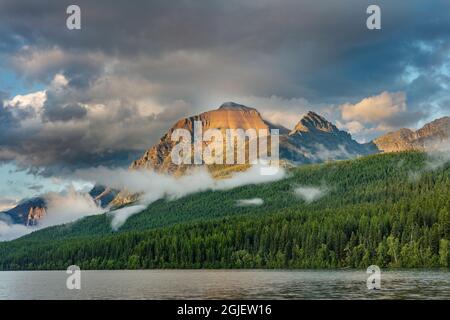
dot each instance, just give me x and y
(27, 212)
(34, 215)
(430, 137)
(103, 195)
(30, 211)
(314, 139)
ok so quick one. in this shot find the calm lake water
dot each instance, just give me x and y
(225, 284)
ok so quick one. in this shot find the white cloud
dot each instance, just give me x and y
(250, 202)
(120, 216)
(34, 100)
(310, 194)
(353, 127)
(324, 154)
(375, 115)
(68, 206)
(59, 81)
(62, 208)
(13, 231)
(438, 155)
(376, 108)
(153, 186)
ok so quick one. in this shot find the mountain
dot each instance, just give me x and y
(313, 139)
(229, 115)
(27, 212)
(103, 195)
(430, 137)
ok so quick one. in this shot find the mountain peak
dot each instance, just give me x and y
(235, 106)
(312, 121)
(432, 136)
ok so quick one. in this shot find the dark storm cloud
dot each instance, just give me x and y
(65, 113)
(61, 137)
(322, 47)
(6, 118)
(136, 67)
(424, 87)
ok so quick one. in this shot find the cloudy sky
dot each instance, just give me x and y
(101, 95)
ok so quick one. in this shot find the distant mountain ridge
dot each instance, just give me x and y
(427, 138)
(29, 211)
(314, 139)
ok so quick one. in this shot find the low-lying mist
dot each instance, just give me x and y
(310, 194)
(72, 205)
(154, 186)
(438, 155)
(250, 202)
(63, 207)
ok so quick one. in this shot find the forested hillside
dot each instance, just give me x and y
(389, 209)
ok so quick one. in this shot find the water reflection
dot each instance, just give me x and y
(226, 284)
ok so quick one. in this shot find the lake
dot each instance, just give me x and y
(226, 284)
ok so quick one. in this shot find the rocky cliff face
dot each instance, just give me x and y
(428, 138)
(314, 139)
(312, 122)
(103, 195)
(228, 116)
(34, 215)
(28, 211)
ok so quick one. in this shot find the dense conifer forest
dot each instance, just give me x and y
(392, 210)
